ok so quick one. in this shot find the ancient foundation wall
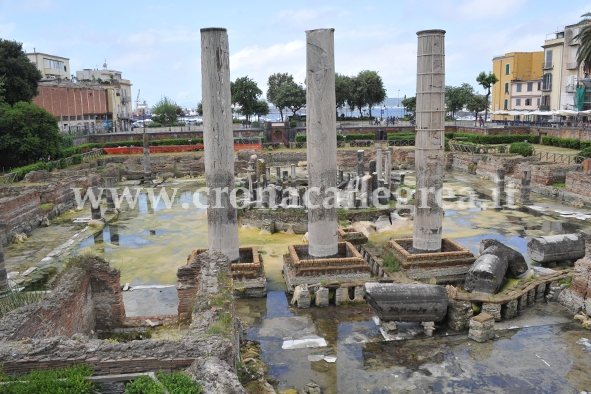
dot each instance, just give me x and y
(21, 208)
(578, 183)
(87, 298)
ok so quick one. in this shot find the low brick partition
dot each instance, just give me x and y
(348, 261)
(351, 235)
(451, 254)
(88, 298)
(84, 301)
(578, 183)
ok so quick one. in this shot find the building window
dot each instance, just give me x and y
(539, 85)
(517, 102)
(538, 102)
(506, 87)
(506, 104)
(530, 86)
(528, 102)
(547, 82)
(53, 64)
(507, 69)
(518, 87)
(548, 63)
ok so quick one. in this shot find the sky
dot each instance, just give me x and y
(157, 45)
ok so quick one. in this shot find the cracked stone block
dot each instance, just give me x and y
(486, 274)
(516, 264)
(531, 297)
(459, 314)
(522, 302)
(509, 310)
(492, 309)
(321, 298)
(482, 327)
(540, 292)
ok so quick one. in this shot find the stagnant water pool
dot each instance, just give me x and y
(148, 244)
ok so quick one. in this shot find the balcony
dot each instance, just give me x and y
(572, 66)
(547, 66)
(546, 88)
(570, 88)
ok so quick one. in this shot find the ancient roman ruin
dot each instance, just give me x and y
(308, 268)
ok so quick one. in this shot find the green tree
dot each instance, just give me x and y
(166, 111)
(200, 109)
(292, 95)
(342, 90)
(456, 97)
(584, 37)
(27, 133)
(273, 85)
(261, 108)
(368, 89)
(2, 90)
(21, 76)
(486, 81)
(245, 94)
(409, 104)
(477, 103)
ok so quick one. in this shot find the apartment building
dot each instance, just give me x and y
(51, 66)
(552, 68)
(526, 95)
(513, 70)
(118, 94)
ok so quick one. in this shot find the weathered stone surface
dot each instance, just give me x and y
(222, 222)
(492, 309)
(522, 305)
(482, 327)
(515, 260)
(429, 154)
(301, 296)
(216, 376)
(407, 302)
(571, 301)
(321, 297)
(509, 310)
(553, 248)
(459, 314)
(322, 142)
(486, 274)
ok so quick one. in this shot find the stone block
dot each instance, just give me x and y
(359, 294)
(302, 297)
(522, 305)
(509, 310)
(482, 327)
(531, 297)
(492, 309)
(587, 165)
(407, 302)
(571, 300)
(459, 314)
(428, 328)
(321, 297)
(540, 292)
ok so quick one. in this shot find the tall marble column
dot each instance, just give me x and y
(322, 141)
(222, 222)
(430, 126)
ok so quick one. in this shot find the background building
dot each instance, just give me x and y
(552, 68)
(80, 108)
(51, 66)
(526, 95)
(118, 94)
(514, 67)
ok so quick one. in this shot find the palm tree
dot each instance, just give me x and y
(584, 37)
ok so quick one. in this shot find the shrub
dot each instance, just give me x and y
(154, 124)
(571, 143)
(123, 143)
(176, 141)
(496, 139)
(143, 385)
(585, 144)
(22, 171)
(300, 138)
(77, 159)
(391, 263)
(401, 136)
(63, 381)
(293, 123)
(357, 137)
(179, 383)
(585, 152)
(523, 148)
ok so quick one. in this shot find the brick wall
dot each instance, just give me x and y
(85, 299)
(578, 183)
(64, 101)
